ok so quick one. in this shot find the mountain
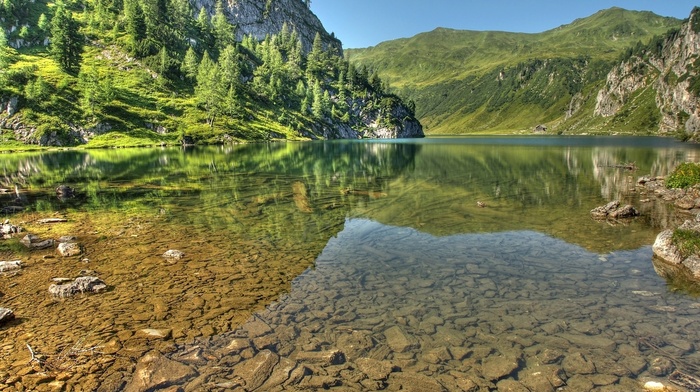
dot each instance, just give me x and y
(659, 81)
(488, 81)
(145, 72)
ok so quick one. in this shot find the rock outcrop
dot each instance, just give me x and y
(262, 18)
(672, 73)
(670, 260)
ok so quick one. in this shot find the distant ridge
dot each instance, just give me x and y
(492, 81)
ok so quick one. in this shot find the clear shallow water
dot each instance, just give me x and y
(407, 269)
(486, 308)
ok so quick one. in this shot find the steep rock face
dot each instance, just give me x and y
(673, 73)
(260, 18)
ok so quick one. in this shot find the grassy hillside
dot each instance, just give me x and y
(148, 72)
(469, 81)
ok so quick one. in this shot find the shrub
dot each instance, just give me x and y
(685, 175)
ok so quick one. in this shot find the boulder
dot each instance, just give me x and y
(668, 260)
(68, 249)
(83, 284)
(613, 210)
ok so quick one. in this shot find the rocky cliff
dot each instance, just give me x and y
(670, 66)
(260, 18)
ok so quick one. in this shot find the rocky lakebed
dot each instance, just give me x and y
(134, 302)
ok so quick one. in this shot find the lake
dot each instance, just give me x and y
(432, 264)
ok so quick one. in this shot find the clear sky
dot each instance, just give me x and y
(364, 23)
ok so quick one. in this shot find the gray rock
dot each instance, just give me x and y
(6, 315)
(7, 230)
(665, 249)
(14, 265)
(154, 371)
(614, 211)
(83, 284)
(33, 242)
(174, 254)
(68, 249)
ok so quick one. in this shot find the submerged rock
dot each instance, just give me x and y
(6, 315)
(83, 284)
(154, 371)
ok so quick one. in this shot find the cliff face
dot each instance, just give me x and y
(672, 70)
(260, 18)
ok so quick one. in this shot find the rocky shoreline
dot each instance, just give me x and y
(669, 261)
(85, 297)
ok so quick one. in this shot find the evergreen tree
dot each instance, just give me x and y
(43, 24)
(180, 17)
(66, 41)
(4, 51)
(190, 64)
(95, 91)
(315, 59)
(135, 25)
(208, 90)
(205, 31)
(224, 32)
(317, 108)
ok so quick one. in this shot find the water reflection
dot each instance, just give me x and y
(433, 185)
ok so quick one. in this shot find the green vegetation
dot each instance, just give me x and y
(687, 242)
(469, 82)
(138, 72)
(685, 175)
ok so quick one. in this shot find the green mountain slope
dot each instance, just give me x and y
(145, 72)
(469, 81)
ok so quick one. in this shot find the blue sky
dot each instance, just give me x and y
(363, 23)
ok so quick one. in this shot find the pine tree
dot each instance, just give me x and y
(224, 32)
(190, 64)
(95, 91)
(135, 25)
(180, 16)
(316, 58)
(4, 51)
(317, 108)
(66, 41)
(209, 88)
